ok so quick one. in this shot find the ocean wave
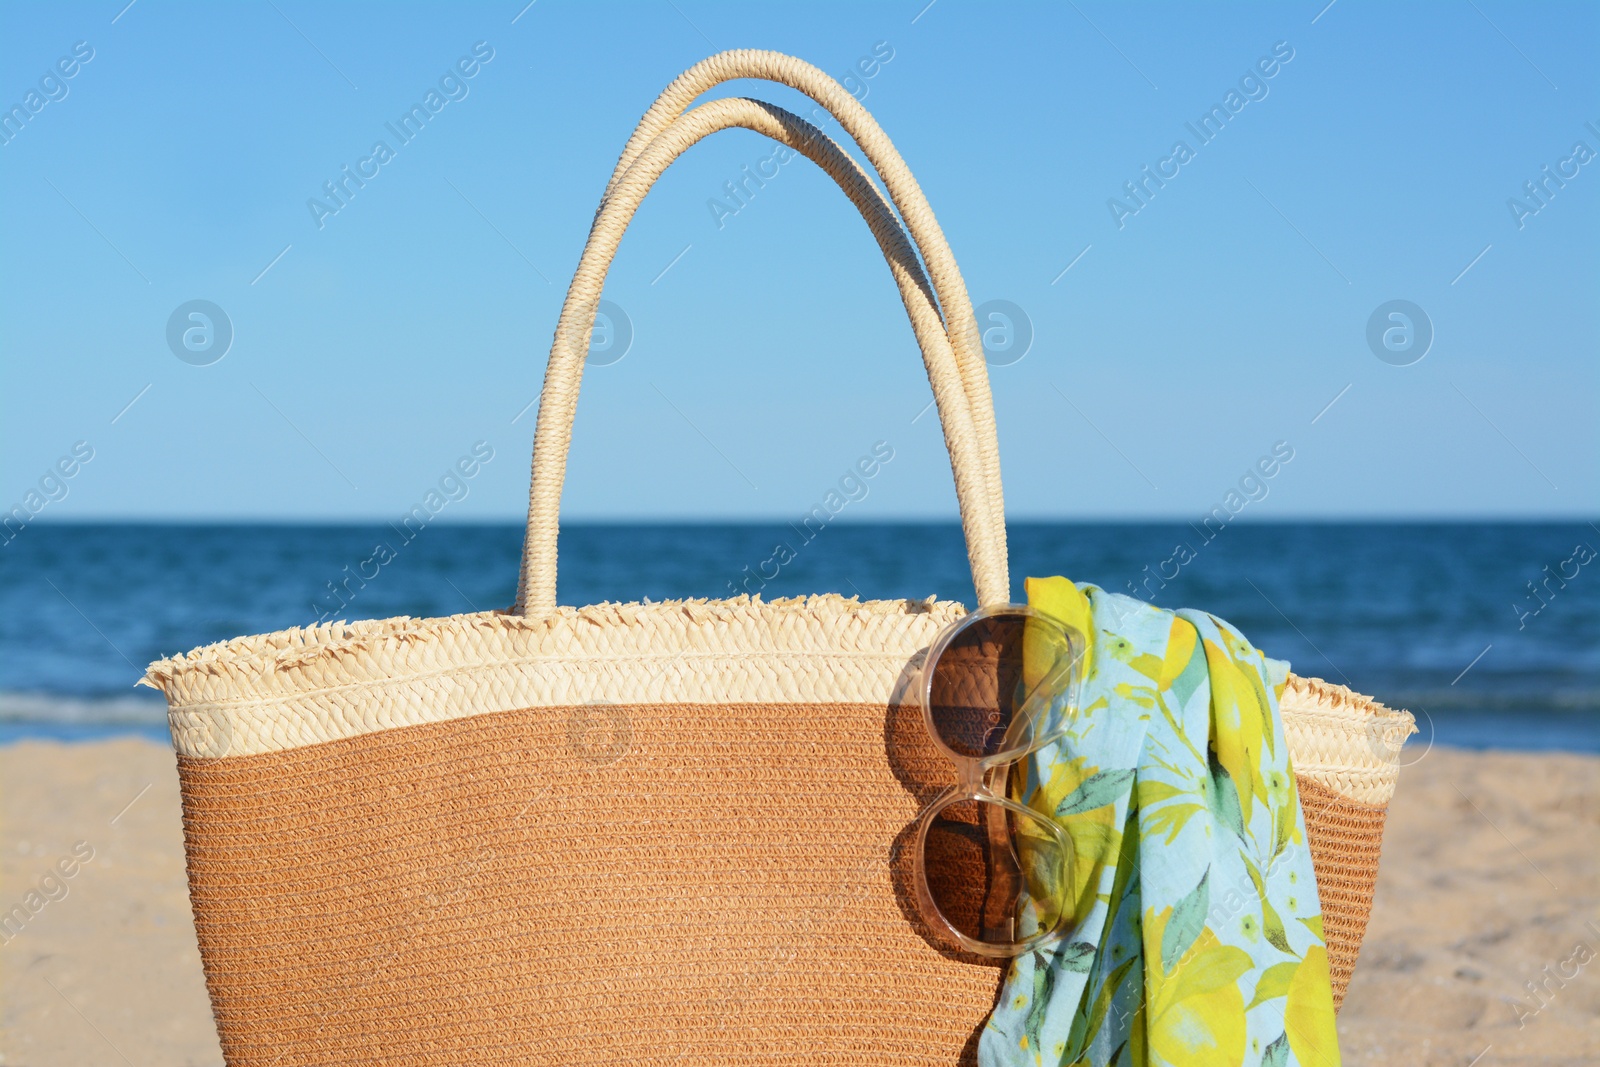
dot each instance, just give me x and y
(61, 709)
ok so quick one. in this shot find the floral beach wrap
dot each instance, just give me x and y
(1197, 936)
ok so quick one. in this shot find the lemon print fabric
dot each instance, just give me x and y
(1197, 937)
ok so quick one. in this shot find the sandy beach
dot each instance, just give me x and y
(1490, 881)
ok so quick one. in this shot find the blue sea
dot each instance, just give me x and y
(1488, 632)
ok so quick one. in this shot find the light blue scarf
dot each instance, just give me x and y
(1198, 937)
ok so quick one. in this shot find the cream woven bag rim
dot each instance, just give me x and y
(1346, 741)
(249, 658)
(269, 692)
(336, 681)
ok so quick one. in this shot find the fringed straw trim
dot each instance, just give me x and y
(321, 683)
(1348, 742)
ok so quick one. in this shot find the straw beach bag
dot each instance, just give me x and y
(654, 832)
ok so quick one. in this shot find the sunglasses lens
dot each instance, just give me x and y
(997, 876)
(1003, 683)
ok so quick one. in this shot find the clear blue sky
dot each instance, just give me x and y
(1225, 315)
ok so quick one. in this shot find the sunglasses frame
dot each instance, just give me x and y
(973, 774)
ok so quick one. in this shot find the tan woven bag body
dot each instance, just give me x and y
(638, 833)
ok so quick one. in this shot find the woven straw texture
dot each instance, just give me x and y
(1348, 742)
(1346, 754)
(573, 886)
(571, 839)
(588, 884)
(324, 683)
(638, 832)
(1345, 837)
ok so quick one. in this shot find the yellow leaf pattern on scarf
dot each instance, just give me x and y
(1308, 1014)
(1196, 1013)
(1240, 722)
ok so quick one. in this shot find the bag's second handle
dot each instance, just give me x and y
(960, 324)
(558, 402)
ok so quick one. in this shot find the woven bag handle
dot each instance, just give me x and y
(960, 323)
(558, 401)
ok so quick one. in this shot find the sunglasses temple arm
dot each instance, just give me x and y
(1005, 874)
